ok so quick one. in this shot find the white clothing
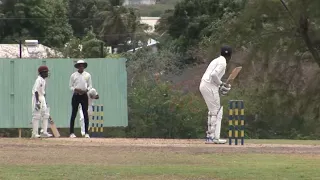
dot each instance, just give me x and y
(90, 104)
(39, 86)
(215, 71)
(80, 81)
(44, 112)
(209, 88)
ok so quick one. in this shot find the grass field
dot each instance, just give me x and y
(283, 141)
(157, 159)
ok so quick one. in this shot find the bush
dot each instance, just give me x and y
(157, 111)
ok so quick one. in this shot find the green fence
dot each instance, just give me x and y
(109, 77)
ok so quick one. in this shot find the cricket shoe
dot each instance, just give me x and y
(87, 136)
(72, 136)
(219, 141)
(46, 135)
(209, 140)
(35, 136)
(83, 134)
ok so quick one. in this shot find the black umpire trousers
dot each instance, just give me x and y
(76, 100)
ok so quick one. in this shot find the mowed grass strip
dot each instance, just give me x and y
(178, 166)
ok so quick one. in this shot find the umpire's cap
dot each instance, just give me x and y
(226, 51)
(81, 62)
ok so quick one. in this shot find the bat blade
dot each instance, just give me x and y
(233, 74)
(53, 128)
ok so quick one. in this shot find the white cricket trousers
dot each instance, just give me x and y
(210, 94)
(42, 114)
(82, 125)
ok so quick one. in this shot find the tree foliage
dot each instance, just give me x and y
(280, 40)
(156, 111)
(191, 20)
(42, 19)
(88, 46)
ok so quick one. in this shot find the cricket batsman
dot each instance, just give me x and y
(40, 111)
(92, 95)
(211, 87)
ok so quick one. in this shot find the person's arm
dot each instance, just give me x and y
(35, 89)
(214, 74)
(71, 84)
(37, 96)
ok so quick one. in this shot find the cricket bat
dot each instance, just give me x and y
(233, 74)
(53, 128)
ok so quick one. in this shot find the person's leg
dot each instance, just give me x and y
(211, 96)
(216, 112)
(75, 104)
(84, 104)
(36, 116)
(89, 113)
(217, 129)
(81, 120)
(45, 113)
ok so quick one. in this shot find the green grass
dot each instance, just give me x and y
(163, 163)
(202, 166)
(282, 141)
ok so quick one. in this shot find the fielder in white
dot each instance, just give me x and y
(92, 94)
(211, 87)
(40, 111)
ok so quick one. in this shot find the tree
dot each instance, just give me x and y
(112, 29)
(82, 15)
(44, 20)
(276, 39)
(303, 26)
(135, 29)
(91, 46)
(189, 23)
(271, 25)
(86, 47)
(59, 31)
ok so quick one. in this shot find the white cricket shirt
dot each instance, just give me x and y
(80, 81)
(215, 71)
(39, 86)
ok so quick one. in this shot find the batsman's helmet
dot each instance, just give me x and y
(226, 51)
(43, 69)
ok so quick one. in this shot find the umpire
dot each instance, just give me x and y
(80, 83)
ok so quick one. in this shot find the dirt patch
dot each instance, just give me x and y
(122, 151)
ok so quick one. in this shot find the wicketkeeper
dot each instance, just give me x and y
(211, 87)
(92, 95)
(40, 111)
